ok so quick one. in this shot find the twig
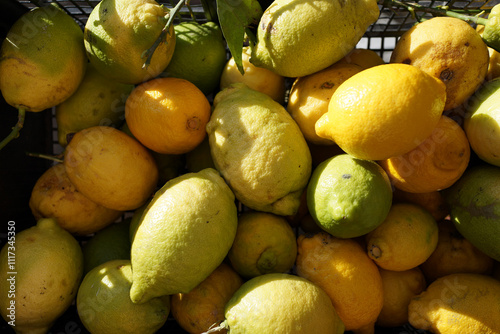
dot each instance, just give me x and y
(15, 130)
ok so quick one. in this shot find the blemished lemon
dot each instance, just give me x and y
(482, 125)
(42, 59)
(54, 196)
(111, 168)
(310, 95)
(399, 288)
(454, 254)
(405, 239)
(199, 55)
(450, 50)
(350, 278)
(104, 305)
(264, 243)
(168, 115)
(457, 304)
(280, 303)
(117, 34)
(365, 58)
(383, 111)
(435, 164)
(202, 307)
(494, 62)
(348, 197)
(97, 101)
(257, 78)
(48, 270)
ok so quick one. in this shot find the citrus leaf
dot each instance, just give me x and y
(235, 16)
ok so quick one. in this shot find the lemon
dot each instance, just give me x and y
(264, 243)
(405, 239)
(399, 288)
(433, 201)
(450, 50)
(259, 150)
(454, 254)
(280, 303)
(297, 38)
(117, 34)
(54, 196)
(43, 281)
(435, 164)
(42, 59)
(310, 96)
(168, 115)
(97, 101)
(110, 243)
(474, 202)
(203, 306)
(199, 55)
(345, 272)
(458, 303)
(104, 305)
(200, 157)
(110, 168)
(257, 78)
(483, 124)
(383, 111)
(348, 197)
(184, 234)
(365, 58)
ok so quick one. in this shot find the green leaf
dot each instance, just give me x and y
(235, 17)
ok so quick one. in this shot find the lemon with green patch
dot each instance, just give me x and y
(118, 33)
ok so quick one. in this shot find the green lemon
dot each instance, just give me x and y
(110, 243)
(281, 303)
(199, 56)
(349, 197)
(104, 305)
(97, 101)
(185, 233)
(119, 32)
(474, 202)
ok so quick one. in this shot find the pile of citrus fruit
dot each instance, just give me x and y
(300, 185)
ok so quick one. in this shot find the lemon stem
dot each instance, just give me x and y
(222, 325)
(376, 251)
(163, 35)
(439, 11)
(45, 156)
(15, 130)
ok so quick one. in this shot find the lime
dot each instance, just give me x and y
(349, 197)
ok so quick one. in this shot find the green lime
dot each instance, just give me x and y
(199, 56)
(349, 197)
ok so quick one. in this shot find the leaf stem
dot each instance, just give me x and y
(15, 130)
(439, 11)
(166, 30)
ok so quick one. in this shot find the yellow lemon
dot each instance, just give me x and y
(435, 164)
(111, 168)
(365, 58)
(54, 196)
(383, 111)
(450, 50)
(406, 238)
(343, 269)
(257, 78)
(264, 243)
(310, 95)
(457, 304)
(399, 288)
(168, 115)
(202, 307)
(433, 201)
(454, 254)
